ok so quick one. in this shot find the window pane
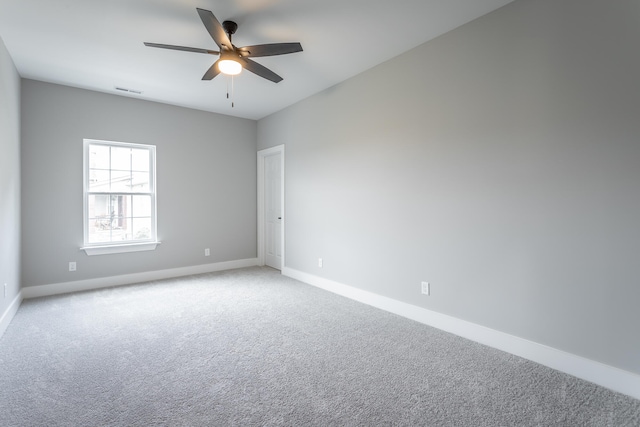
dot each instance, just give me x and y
(120, 181)
(140, 160)
(100, 219)
(126, 206)
(121, 206)
(121, 158)
(99, 206)
(141, 206)
(141, 228)
(98, 156)
(100, 236)
(99, 180)
(121, 231)
(140, 182)
(119, 211)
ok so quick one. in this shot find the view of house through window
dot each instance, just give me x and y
(119, 193)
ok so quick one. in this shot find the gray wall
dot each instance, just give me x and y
(206, 182)
(500, 162)
(9, 179)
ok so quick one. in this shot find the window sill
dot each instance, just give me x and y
(118, 249)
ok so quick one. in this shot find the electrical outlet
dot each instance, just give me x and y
(426, 288)
(320, 262)
(72, 266)
(207, 252)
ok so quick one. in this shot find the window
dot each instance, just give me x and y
(119, 197)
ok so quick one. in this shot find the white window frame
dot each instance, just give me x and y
(103, 248)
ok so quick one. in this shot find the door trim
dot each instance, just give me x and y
(262, 154)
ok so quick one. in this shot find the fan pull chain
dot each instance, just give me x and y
(230, 91)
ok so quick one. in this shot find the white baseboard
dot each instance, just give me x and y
(604, 375)
(127, 279)
(11, 311)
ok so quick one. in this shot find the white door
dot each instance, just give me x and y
(273, 210)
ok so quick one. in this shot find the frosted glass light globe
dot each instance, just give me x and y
(229, 67)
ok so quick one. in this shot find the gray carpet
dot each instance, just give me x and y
(249, 347)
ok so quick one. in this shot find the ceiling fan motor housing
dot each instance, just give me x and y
(230, 27)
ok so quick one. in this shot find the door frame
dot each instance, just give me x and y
(262, 154)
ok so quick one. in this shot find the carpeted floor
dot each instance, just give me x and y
(250, 347)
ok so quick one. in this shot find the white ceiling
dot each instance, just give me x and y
(98, 44)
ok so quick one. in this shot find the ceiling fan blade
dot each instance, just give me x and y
(259, 70)
(269, 49)
(215, 29)
(212, 71)
(185, 48)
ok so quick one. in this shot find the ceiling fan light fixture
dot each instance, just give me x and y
(229, 67)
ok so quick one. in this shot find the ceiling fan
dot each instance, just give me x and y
(233, 59)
